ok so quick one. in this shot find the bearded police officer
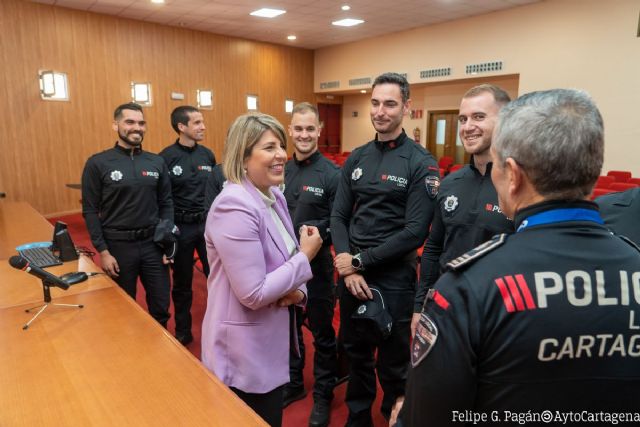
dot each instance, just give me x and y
(545, 319)
(311, 181)
(381, 214)
(126, 192)
(467, 212)
(190, 164)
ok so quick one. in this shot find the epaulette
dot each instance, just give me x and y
(477, 252)
(629, 241)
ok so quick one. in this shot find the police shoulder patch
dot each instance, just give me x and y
(629, 241)
(477, 252)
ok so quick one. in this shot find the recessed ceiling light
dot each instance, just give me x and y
(348, 22)
(363, 91)
(291, 37)
(157, 1)
(267, 13)
(345, 7)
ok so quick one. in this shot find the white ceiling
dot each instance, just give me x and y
(309, 20)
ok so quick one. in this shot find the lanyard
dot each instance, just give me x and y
(561, 215)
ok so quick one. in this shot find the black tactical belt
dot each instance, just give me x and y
(189, 218)
(128, 235)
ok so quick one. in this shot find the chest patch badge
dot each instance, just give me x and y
(450, 203)
(356, 174)
(177, 170)
(424, 339)
(116, 175)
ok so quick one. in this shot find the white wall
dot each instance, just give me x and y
(586, 44)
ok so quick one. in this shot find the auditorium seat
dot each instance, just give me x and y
(455, 168)
(622, 186)
(604, 181)
(635, 181)
(597, 192)
(620, 176)
(445, 163)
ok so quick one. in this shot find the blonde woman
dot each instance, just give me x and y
(257, 268)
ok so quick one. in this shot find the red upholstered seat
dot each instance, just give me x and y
(605, 181)
(621, 176)
(445, 162)
(622, 186)
(597, 192)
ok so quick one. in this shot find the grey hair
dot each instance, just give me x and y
(557, 137)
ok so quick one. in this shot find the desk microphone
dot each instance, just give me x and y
(22, 264)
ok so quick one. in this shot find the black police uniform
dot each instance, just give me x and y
(214, 185)
(543, 319)
(621, 213)
(382, 210)
(189, 168)
(125, 193)
(310, 187)
(467, 214)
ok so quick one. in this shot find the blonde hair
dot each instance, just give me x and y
(243, 134)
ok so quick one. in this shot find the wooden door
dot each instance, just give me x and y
(331, 119)
(443, 137)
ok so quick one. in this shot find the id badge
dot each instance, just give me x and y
(424, 339)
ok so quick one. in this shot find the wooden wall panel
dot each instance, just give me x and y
(44, 144)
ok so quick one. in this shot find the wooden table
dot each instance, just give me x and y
(108, 363)
(20, 223)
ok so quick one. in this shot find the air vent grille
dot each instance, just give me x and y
(330, 85)
(485, 67)
(435, 72)
(361, 81)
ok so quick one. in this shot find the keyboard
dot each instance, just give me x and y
(40, 257)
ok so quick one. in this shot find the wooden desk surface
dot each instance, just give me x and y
(108, 363)
(19, 224)
(20, 288)
(105, 364)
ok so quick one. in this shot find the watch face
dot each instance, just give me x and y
(356, 262)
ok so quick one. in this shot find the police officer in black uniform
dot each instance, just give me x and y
(311, 181)
(467, 212)
(621, 213)
(125, 193)
(215, 183)
(545, 319)
(190, 164)
(381, 214)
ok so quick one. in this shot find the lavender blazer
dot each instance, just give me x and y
(245, 336)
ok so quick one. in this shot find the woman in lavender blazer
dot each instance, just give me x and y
(257, 268)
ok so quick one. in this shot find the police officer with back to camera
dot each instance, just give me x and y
(190, 164)
(126, 194)
(545, 319)
(215, 183)
(467, 212)
(381, 214)
(311, 181)
(621, 213)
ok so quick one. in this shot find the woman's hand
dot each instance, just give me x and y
(294, 297)
(310, 241)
